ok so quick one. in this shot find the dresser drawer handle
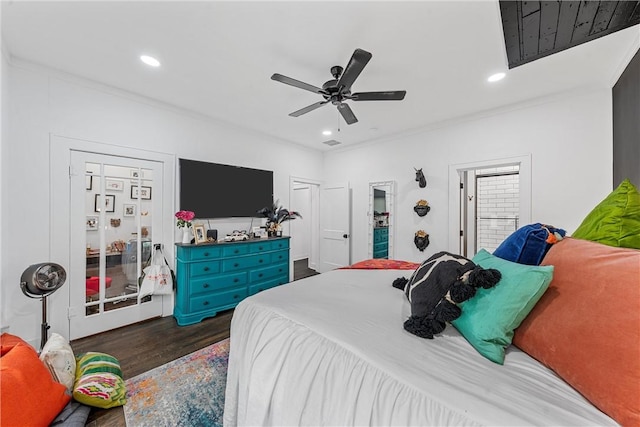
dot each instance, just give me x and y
(205, 303)
(259, 248)
(260, 261)
(236, 296)
(236, 251)
(279, 270)
(236, 265)
(280, 257)
(206, 269)
(206, 254)
(260, 275)
(236, 280)
(206, 285)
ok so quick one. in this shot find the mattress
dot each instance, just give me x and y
(331, 350)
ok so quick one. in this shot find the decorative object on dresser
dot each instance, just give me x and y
(215, 277)
(199, 234)
(276, 215)
(422, 207)
(184, 222)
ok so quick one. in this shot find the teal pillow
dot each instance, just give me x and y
(490, 317)
(615, 221)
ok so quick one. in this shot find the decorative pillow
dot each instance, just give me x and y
(489, 319)
(587, 326)
(30, 397)
(436, 288)
(616, 220)
(58, 356)
(529, 244)
(99, 381)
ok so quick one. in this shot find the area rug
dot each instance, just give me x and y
(185, 392)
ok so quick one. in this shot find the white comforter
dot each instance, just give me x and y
(331, 350)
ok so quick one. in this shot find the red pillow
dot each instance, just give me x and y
(30, 397)
(586, 327)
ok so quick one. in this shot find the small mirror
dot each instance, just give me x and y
(381, 216)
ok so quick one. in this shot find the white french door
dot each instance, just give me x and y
(115, 217)
(335, 227)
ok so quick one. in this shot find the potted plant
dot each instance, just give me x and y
(276, 215)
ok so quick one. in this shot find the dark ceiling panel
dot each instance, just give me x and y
(533, 29)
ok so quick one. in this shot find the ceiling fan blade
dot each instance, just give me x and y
(395, 95)
(305, 110)
(296, 83)
(347, 114)
(356, 64)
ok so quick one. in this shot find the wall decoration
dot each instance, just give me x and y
(109, 203)
(115, 222)
(422, 181)
(421, 240)
(143, 192)
(88, 182)
(129, 210)
(135, 174)
(113, 184)
(422, 207)
(92, 222)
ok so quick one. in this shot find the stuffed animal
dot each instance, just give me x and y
(437, 286)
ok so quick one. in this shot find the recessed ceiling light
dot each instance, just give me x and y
(326, 132)
(496, 77)
(150, 60)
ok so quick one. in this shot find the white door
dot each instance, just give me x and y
(115, 216)
(335, 227)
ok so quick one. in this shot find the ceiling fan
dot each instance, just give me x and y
(338, 90)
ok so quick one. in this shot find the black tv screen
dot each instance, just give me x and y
(213, 190)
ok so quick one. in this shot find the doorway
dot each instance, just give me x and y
(490, 200)
(304, 196)
(112, 204)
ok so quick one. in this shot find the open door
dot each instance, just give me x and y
(335, 227)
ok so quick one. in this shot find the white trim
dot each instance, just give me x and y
(524, 163)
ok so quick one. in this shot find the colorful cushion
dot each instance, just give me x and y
(58, 356)
(489, 319)
(587, 326)
(616, 220)
(30, 397)
(99, 381)
(529, 244)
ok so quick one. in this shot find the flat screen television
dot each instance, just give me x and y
(212, 190)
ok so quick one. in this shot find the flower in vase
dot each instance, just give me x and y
(276, 215)
(184, 218)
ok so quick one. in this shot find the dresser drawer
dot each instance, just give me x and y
(219, 299)
(235, 249)
(280, 256)
(215, 284)
(261, 246)
(191, 253)
(203, 268)
(254, 289)
(243, 262)
(268, 272)
(280, 244)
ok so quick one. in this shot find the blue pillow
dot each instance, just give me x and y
(529, 244)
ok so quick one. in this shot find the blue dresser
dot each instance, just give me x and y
(213, 277)
(381, 242)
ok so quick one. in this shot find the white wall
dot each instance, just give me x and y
(44, 102)
(569, 139)
(4, 130)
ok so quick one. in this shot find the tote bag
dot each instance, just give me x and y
(157, 278)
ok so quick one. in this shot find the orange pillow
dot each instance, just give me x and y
(30, 397)
(8, 341)
(586, 327)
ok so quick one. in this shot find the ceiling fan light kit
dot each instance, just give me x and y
(338, 90)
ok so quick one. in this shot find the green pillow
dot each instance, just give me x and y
(616, 219)
(490, 317)
(99, 381)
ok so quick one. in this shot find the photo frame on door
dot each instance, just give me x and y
(144, 192)
(109, 203)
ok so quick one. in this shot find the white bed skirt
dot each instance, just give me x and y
(331, 350)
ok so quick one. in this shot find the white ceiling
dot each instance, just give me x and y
(218, 57)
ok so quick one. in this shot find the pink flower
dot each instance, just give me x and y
(184, 218)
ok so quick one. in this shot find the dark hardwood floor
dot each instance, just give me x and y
(152, 343)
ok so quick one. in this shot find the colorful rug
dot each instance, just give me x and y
(185, 392)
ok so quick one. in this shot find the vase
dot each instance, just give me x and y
(186, 235)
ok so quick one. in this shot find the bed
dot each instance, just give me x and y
(331, 350)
